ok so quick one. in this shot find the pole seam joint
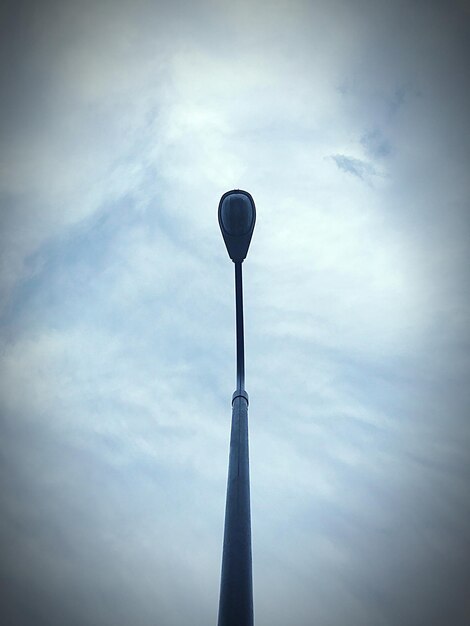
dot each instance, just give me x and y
(240, 393)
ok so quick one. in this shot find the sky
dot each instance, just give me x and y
(122, 124)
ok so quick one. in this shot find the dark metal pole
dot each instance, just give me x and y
(239, 322)
(236, 587)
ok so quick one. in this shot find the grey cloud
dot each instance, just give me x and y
(356, 167)
(117, 328)
(377, 145)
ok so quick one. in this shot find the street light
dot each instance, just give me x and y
(237, 216)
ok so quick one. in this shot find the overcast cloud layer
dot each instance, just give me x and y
(121, 126)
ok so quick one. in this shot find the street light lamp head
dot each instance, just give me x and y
(237, 216)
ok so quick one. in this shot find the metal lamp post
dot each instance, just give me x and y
(237, 215)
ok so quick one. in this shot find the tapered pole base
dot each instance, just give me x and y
(236, 587)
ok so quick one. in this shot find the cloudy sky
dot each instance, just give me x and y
(122, 123)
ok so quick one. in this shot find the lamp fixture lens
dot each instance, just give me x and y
(237, 214)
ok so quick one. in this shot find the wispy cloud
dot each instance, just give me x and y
(356, 167)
